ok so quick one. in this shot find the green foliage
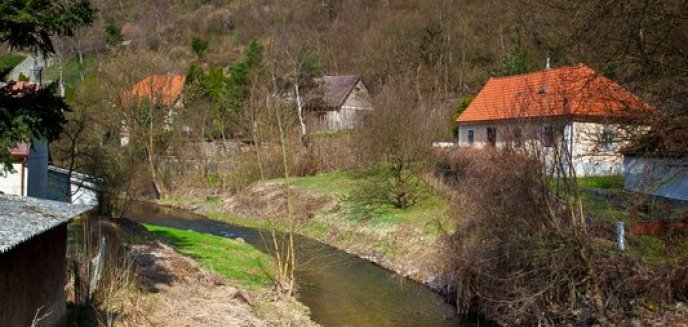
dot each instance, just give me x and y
(113, 34)
(213, 180)
(239, 262)
(229, 92)
(198, 46)
(464, 102)
(30, 24)
(27, 114)
(71, 69)
(22, 78)
(516, 61)
(8, 62)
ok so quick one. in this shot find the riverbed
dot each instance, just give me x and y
(339, 288)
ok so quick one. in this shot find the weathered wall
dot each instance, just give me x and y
(32, 275)
(657, 176)
(356, 105)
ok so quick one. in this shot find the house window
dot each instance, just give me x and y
(492, 136)
(548, 136)
(518, 137)
(607, 139)
(471, 136)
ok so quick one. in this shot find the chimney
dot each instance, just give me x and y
(547, 67)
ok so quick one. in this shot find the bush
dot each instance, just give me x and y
(523, 256)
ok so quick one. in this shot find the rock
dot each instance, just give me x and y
(239, 240)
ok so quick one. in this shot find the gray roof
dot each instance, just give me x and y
(22, 218)
(337, 88)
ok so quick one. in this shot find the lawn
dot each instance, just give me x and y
(359, 194)
(9, 61)
(238, 262)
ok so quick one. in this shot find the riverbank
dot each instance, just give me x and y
(183, 278)
(332, 210)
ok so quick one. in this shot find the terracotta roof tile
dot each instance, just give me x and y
(161, 89)
(577, 91)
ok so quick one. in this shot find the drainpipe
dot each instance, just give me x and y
(21, 177)
(458, 134)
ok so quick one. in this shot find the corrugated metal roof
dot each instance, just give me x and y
(22, 218)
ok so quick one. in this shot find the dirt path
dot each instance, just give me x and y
(173, 290)
(182, 294)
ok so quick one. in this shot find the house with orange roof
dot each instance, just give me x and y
(573, 110)
(163, 91)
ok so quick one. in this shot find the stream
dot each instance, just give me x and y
(339, 288)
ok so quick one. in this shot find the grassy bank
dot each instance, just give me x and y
(244, 268)
(339, 209)
(237, 261)
(604, 198)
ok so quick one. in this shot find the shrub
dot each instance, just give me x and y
(524, 256)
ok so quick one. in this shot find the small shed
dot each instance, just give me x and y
(33, 248)
(344, 102)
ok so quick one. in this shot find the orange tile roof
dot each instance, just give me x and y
(577, 91)
(161, 89)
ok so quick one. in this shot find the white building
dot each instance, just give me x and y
(573, 111)
(29, 175)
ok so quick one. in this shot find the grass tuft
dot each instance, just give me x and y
(238, 262)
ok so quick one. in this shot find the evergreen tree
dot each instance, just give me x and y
(28, 25)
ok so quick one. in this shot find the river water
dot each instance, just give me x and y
(339, 288)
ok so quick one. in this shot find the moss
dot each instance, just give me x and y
(238, 262)
(9, 61)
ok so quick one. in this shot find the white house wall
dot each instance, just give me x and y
(588, 157)
(591, 158)
(11, 183)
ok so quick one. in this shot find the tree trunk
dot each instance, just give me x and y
(299, 110)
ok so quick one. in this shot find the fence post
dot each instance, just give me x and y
(620, 237)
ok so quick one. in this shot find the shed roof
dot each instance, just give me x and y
(567, 91)
(21, 150)
(22, 218)
(337, 88)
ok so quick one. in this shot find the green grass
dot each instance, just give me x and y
(70, 72)
(363, 206)
(237, 220)
(9, 61)
(601, 208)
(238, 262)
(602, 182)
